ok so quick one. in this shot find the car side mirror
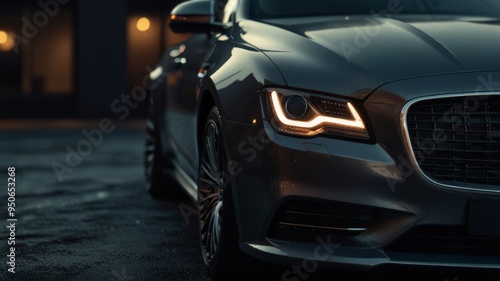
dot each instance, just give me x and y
(194, 16)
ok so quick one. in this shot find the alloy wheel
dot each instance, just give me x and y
(210, 191)
(149, 157)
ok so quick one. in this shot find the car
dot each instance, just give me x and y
(332, 134)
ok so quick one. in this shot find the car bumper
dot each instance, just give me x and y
(378, 179)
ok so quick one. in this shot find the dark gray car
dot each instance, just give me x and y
(333, 134)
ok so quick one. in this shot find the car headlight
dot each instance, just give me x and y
(304, 114)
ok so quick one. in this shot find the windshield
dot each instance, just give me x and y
(263, 9)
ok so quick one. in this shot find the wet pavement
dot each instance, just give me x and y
(98, 223)
(93, 219)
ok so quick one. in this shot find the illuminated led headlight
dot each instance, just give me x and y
(308, 115)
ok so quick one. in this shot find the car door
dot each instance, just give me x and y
(180, 103)
(182, 82)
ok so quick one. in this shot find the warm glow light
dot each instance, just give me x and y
(143, 24)
(3, 37)
(7, 42)
(319, 120)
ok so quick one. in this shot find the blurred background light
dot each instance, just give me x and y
(6, 42)
(3, 37)
(143, 24)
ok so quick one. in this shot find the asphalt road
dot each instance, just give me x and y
(95, 221)
(98, 223)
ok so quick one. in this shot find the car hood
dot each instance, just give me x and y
(355, 55)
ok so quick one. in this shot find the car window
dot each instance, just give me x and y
(261, 9)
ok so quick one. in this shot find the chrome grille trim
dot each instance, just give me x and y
(413, 158)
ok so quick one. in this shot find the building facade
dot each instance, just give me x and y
(74, 58)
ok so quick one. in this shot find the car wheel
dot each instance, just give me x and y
(158, 184)
(217, 222)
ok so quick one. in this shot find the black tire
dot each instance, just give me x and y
(159, 183)
(222, 255)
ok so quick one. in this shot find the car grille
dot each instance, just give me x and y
(445, 240)
(456, 140)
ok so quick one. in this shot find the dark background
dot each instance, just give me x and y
(73, 58)
(62, 65)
